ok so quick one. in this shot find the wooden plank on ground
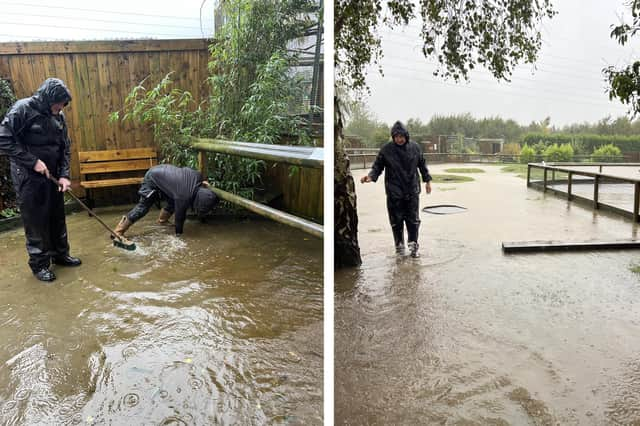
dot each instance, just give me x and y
(536, 246)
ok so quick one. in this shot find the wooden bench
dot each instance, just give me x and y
(97, 166)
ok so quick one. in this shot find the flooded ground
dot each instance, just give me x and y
(220, 326)
(469, 335)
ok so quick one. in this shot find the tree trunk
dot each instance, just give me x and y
(346, 248)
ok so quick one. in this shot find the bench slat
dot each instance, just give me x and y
(110, 182)
(117, 166)
(117, 154)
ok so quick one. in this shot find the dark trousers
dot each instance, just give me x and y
(149, 195)
(42, 210)
(404, 211)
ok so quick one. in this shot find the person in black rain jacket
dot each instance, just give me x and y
(401, 159)
(180, 187)
(34, 136)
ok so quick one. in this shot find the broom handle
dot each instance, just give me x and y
(111, 231)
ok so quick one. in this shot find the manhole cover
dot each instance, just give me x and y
(444, 209)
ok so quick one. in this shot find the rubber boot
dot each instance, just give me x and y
(413, 249)
(122, 226)
(163, 218)
(398, 238)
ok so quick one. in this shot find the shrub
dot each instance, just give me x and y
(605, 153)
(555, 153)
(512, 148)
(527, 154)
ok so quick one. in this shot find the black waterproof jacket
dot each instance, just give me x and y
(401, 164)
(180, 184)
(30, 131)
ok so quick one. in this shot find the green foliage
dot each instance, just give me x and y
(497, 35)
(7, 195)
(512, 148)
(527, 155)
(624, 83)
(7, 98)
(361, 122)
(606, 153)
(558, 153)
(253, 98)
(9, 212)
(169, 112)
(626, 143)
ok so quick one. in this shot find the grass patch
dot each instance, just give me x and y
(635, 269)
(451, 178)
(450, 188)
(464, 170)
(521, 171)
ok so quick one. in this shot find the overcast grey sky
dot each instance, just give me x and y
(566, 85)
(31, 20)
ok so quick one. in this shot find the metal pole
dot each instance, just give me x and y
(288, 219)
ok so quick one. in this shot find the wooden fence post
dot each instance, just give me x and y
(636, 202)
(569, 179)
(596, 182)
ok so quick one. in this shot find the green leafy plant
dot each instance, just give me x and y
(555, 153)
(606, 153)
(527, 155)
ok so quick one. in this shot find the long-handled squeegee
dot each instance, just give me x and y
(118, 241)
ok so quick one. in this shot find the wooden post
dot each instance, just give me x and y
(202, 164)
(528, 174)
(636, 202)
(569, 179)
(553, 176)
(595, 192)
(544, 187)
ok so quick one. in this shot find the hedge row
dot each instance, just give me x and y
(588, 142)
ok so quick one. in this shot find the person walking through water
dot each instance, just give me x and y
(180, 187)
(402, 159)
(34, 135)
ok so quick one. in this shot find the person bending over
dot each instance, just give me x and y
(180, 187)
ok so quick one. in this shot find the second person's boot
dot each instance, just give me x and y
(122, 226)
(163, 218)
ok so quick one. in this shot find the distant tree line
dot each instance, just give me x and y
(584, 138)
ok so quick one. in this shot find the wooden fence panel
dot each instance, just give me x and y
(100, 74)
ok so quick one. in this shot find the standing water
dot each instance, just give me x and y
(468, 335)
(220, 326)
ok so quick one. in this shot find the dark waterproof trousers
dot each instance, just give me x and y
(404, 211)
(150, 194)
(42, 210)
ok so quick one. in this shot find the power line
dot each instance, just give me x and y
(519, 79)
(91, 29)
(48, 6)
(102, 20)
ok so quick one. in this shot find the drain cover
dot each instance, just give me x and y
(444, 209)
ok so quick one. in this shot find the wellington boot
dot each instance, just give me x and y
(413, 249)
(163, 219)
(122, 226)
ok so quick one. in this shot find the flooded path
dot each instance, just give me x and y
(468, 335)
(220, 326)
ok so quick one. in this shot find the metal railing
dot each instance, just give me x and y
(598, 178)
(362, 158)
(295, 155)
